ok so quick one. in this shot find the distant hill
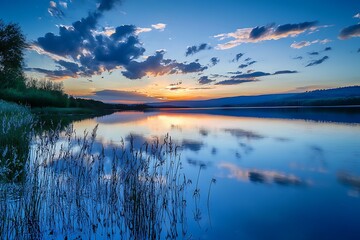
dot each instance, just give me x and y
(326, 97)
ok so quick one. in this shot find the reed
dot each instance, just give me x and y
(73, 188)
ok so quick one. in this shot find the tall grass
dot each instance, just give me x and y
(15, 125)
(73, 189)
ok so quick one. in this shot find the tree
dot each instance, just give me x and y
(12, 46)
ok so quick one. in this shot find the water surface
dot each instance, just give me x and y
(280, 174)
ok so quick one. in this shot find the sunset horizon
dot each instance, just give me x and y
(189, 51)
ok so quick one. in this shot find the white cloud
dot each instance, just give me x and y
(357, 15)
(259, 34)
(142, 30)
(159, 26)
(52, 4)
(302, 44)
(63, 4)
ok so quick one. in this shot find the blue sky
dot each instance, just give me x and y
(143, 50)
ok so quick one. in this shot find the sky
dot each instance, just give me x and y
(133, 51)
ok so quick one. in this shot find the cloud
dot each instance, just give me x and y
(243, 66)
(205, 80)
(317, 62)
(302, 44)
(313, 53)
(284, 72)
(237, 57)
(349, 32)
(235, 81)
(54, 11)
(195, 49)
(175, 84)
(357, 15)
(214, 61)
(251, 75)
(54, 74)
(252, 62)
(63, 4)
(264, 33)
(117, 96)
(142, 30)
(159, 26)
(156, 65)
(327, 49)
(358, 50)
(298, 58)
(258, 32)
(81, 49)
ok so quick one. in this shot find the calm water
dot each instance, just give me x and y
(280, 174)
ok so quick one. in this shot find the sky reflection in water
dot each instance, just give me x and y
(276, 178)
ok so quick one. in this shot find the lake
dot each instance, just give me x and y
(291, 173)
(280, 174)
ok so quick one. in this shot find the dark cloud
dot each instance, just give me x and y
(195, 49)
(94, 51)
(243, 66)
(116, 96)
(235, 81)
(313, 53)
(237, 72)
(214, 61)
(247, 59)
(156, 65)
(123, 31)
(175, 84)
(298, 58)
(327, 49)
(251, 63)
(205, 80)
(237, 57)
(358, 50)
(284, 72)
(317, 62)
(258, 32)
(349, 32)
(289, 28)
(251, 75)
(189, 67)
(70, 40)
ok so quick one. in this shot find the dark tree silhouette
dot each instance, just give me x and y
(12, 46)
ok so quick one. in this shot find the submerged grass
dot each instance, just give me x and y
(74, 190)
